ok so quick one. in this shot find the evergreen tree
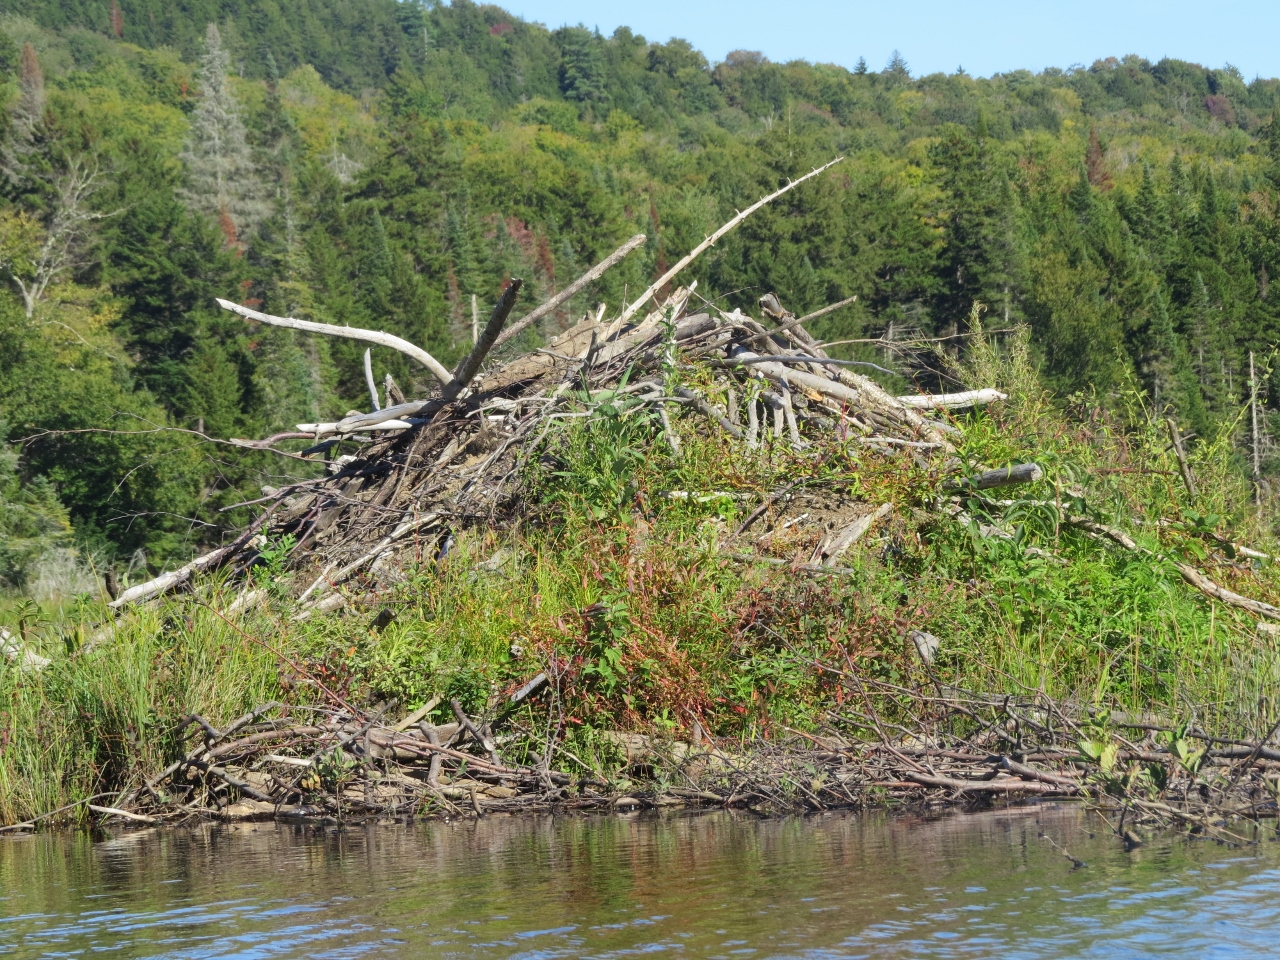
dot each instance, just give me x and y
(582, 66)
(222, 177)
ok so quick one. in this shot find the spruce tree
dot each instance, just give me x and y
(222, 179)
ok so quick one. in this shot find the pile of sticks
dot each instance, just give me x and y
(420, 470)
(339, 764)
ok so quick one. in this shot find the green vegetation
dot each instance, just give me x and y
(385, 175)
(640, 612)
(1121, 222)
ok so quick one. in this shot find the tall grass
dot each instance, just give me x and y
(620, 586)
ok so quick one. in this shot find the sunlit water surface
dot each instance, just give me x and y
(706, 885)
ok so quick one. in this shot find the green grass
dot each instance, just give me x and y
(621, 594)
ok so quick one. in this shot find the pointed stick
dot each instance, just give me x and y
(368, 378)
(593, 274)
(437, 369)
(697, 251)
(471, 366)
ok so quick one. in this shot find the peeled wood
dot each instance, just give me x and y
(471, 365)
(697, 251)
(352, 333)
(852, 534)
(1190, 574)
(954, 401)
(570, 291)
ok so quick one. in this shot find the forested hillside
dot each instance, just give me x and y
(380, 163)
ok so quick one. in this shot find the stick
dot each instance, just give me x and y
(115, 812)
(368, 378)
(708, 411)
(591, 275)
(697, 251)
(354, 333)
(475, 320)
(852, 533)
(407, 527)
(1189, 574)
(816, 314)
(1183, 467)
(471, 366)
(954, 401)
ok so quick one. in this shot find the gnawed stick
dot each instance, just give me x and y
(710, 241)
(832, 551)
(117, 812)
(168, 581)
(1011, 785)
(954, 401)
(469, 367)
(352, 333)
(570, 291)
(368, 379)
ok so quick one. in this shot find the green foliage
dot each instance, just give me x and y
(413, 155)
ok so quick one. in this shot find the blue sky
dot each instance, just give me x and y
(984, 38)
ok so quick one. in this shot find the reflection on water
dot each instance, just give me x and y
(707, 885)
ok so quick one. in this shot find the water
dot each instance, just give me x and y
(704, 885)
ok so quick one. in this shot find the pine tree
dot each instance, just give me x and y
(582, 66)
(223, 181)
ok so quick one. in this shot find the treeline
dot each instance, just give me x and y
(377, 163)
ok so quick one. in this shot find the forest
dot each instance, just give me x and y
(394, 164)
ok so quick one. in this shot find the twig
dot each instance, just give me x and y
(697, 251)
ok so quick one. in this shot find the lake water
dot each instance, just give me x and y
(685, 885)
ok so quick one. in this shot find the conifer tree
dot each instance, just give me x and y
(222, 178)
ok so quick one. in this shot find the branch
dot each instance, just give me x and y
(954, 401)
(368, 378)
(697, 251)
(591, 275)
(354, 333)
(471, 366)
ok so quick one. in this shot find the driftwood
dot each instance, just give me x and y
(352, 333)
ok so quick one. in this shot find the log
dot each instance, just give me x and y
(1001, 477)
(710, 241)
(572, 290)
(954, 401)
(352, 333)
